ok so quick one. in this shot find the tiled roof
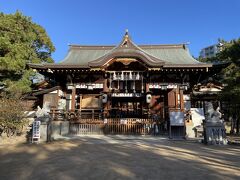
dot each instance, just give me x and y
(171, 54)
(175, 55)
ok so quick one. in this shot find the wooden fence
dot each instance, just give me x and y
(127, 126)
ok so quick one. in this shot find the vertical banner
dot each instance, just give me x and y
(36, 131)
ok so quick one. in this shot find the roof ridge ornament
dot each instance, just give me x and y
(125, 39)
(126, 32)
(127, 49)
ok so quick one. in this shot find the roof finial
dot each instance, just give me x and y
(126, 32)
(126, 35)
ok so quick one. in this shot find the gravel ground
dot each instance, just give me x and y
(119, 157)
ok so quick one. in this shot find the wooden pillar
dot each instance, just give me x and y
(57, 99)
(126, 90)
(92, 114)
(110, 82)
(118, 85)
(73, 98)
(181, 100)
(134, 87)
(80, 102)
(142, 82)
(147, 87)
(105, 88)
(172, 99)
(80, 105)
(177, 98)
(108, 107)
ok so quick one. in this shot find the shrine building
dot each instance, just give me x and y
(141, 83)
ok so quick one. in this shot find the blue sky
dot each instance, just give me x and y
(103, 22)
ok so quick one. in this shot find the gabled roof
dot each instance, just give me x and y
(175, 55)
(127, 49)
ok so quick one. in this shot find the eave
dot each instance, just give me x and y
(200, 65)
(45, 91)
(57, 66)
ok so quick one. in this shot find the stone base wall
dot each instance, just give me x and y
(59, 129)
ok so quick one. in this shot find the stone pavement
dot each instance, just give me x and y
(119, 157)
(115, 139)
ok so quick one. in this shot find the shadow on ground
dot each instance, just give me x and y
(84, 158)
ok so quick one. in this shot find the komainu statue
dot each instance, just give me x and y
(214, 130)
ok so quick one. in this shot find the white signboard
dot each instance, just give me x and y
(171, 86)
(197, 116)
(167, 86)
(126, 95)
(36, 130)
(123, 121)
(89, 86)
(176, 118)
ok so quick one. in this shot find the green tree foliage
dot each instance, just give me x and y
(231, 77)
(231, 74)
(206, 60)
(21, 41)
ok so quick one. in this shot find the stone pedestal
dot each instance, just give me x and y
(43, 132)
(214, 133)
(52, 130)
(59, 129)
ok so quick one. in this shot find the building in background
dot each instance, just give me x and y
(210, 51)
